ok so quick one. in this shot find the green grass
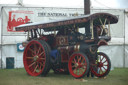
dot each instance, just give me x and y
(119, 76)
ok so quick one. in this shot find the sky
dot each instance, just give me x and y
(71, 3)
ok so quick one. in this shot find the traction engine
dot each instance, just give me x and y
(68, 46)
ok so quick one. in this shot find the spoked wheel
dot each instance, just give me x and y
(78, 65)
(36, 58)
(101, 67)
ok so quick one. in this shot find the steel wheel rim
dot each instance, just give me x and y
(77, 65)
(100, 66)
(34, 58)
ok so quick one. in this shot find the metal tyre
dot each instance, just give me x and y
(78, 65)
(48, 53)
(36, 58)
(101, 67)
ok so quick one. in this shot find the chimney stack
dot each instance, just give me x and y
(86, 7)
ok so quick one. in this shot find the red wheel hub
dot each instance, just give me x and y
(100, 64)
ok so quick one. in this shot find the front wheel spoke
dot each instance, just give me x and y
(82, 61)
(104, 68)
(102, 58)
(73, 66)
(79, 59)
(84, 67)
(75, 70)
(105, 61)
(81, 70)
(74, 60)
(105, 65)
(101, 70)
(96, 69)
(84, 64)
(99, 58)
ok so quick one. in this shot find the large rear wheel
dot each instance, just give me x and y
(78, 65)
(36, 58)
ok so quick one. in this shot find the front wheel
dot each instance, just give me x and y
(78, 65)
(101, 66)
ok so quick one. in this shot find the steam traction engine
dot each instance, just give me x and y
(61, 46)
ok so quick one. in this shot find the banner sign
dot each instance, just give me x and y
(13, 17)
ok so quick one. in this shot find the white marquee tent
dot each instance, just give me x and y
(117, 49)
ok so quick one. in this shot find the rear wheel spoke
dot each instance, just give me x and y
(32, 51)
(35, 48)
(42, 53)
(29, 57)
(38, 50)
(39, 67)
(41, 64)
(35, 68)
(32, 64)
(42, 58)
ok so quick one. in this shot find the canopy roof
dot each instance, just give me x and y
(77, 21)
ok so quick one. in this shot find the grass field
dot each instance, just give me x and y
(118, 76)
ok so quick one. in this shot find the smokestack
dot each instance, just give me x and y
(87, 11)
(86, 7)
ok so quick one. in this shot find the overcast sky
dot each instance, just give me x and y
(72, 3)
